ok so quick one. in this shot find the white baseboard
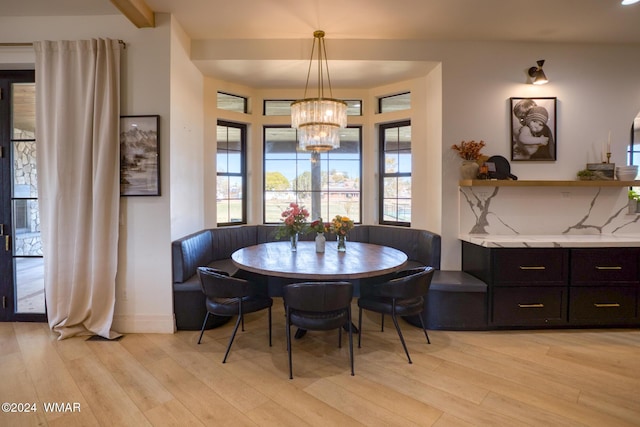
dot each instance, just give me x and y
(143, 324)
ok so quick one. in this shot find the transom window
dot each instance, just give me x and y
(229, 102)
(327, 184)
(387, 104)
(279, 107)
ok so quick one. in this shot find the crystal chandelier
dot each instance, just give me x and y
(319, 120)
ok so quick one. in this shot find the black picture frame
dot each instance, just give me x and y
(533, 125)
(140, 155)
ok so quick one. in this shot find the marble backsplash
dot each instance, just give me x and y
(546, 210)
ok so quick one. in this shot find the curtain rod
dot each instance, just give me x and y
(124, 45)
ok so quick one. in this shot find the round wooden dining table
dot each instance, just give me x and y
(361, 260)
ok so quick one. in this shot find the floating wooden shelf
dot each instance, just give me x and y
(537, 183)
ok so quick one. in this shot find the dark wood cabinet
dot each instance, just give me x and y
(603, 305)
(599, 266)
(557, 287)
(526, 267)
(529, 306)
(604, 286)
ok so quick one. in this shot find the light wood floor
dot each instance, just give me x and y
(536, 378)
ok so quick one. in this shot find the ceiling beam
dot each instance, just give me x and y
(137, 12)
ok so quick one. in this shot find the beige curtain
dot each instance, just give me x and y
(77, 123)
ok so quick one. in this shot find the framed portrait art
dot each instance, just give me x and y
(139, 156)
(533, 129)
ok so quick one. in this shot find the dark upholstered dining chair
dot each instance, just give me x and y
(320, 306)
(229, 296)
(403, 295)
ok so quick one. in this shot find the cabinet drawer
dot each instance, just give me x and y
(602, 305)
(530, 306)
(542, 267)
(604, 266)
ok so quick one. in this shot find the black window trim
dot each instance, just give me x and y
(382, 175)
(242, 173)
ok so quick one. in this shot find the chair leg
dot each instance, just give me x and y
(424, 329)
(351, 341)
(269, 326)
(382, 322)
(203, 325)
(395, 322)
(359, 325)
(339, 337)
(288, 326)
(233, 335)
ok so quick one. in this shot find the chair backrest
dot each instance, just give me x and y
(410, 283)
(218, 284)
(318, 296)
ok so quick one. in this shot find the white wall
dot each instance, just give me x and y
(187, 182)
(143, 282)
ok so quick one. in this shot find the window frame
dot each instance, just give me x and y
(245, 102)
(242, 174)
(382, 174)
(383, 98)
(265, 127)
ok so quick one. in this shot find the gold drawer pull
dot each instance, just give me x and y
(615, 267)
(615, 304)
(532, 267)
(531, 305)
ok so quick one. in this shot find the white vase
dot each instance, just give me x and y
(469, 169)
(320, 242)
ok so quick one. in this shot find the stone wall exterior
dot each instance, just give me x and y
(27, 242)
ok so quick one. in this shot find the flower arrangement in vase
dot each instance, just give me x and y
(294, 223)
(340, 226)
(469, 152)
(320, 228)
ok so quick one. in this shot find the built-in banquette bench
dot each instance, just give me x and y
(213, 248)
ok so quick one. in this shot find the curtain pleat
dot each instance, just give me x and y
(77, 124)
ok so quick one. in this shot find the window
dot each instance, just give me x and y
(278, 107)
(328, 184)
(395, 173)
(387, 104)
(230, 102)
(283, 107)
(231, 170)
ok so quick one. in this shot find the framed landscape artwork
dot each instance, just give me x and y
(139, 156)
(533, 129)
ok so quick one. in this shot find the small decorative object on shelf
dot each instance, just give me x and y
(634, 199)
(585, 175)
(295, 222)
(340, 226)
(602, 171)
(320, 227)
(469, 152)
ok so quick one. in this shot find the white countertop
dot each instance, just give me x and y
(553, 241)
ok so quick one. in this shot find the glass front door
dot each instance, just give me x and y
(21, 264)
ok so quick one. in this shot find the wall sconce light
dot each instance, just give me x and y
(537, 75)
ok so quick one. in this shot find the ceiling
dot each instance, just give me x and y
(591, 21)
(576, 21)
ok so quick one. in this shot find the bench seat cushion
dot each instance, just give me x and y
(456, 281)
(456, 301)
